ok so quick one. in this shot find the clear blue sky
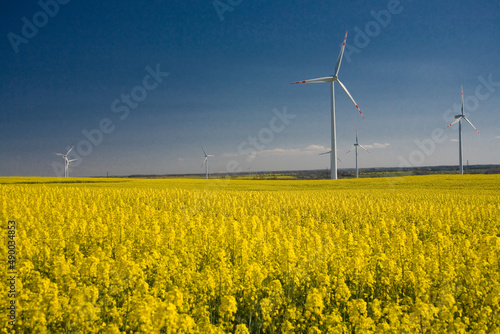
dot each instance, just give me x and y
(73, 66)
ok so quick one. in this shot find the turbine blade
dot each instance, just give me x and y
(454, 122)
(324, 79)
(72, 160)
(470, 124)
(325, 152)
(72, 147)
(203, 151)
(59, 154)
(462, 89)
(348, 94)
(341, 54)
(350, 150)
(363, 148)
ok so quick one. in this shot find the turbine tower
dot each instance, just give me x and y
(331, 80)
(66, 161)
(458, 119)
(205, 162)
(356, 145)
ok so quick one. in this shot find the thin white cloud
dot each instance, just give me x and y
(311, 149)
(308, 150)
(316, 148)
(497, 137)
(282, 151)
(277, 151)
(377, 145)
(453, 139)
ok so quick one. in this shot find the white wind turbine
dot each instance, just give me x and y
(331, 80)
(205, 162)
(458, 119)
(66, 161)
(356, 145)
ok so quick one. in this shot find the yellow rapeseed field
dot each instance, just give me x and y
(390, 255)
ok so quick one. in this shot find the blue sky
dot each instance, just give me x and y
(68, 69)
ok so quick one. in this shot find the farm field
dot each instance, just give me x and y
(391, 255)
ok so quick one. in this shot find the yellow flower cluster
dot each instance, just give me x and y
(413, 254)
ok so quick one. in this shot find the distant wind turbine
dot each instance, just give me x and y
(331, 80)
(458, 119)
(205, 162)
(66, 161)
(356, 145)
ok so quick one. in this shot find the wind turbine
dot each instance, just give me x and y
(356, 145)
(458, 119)
(331, 80)
(205, 162)
(66, 161)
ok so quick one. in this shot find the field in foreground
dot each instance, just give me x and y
(412, 254)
